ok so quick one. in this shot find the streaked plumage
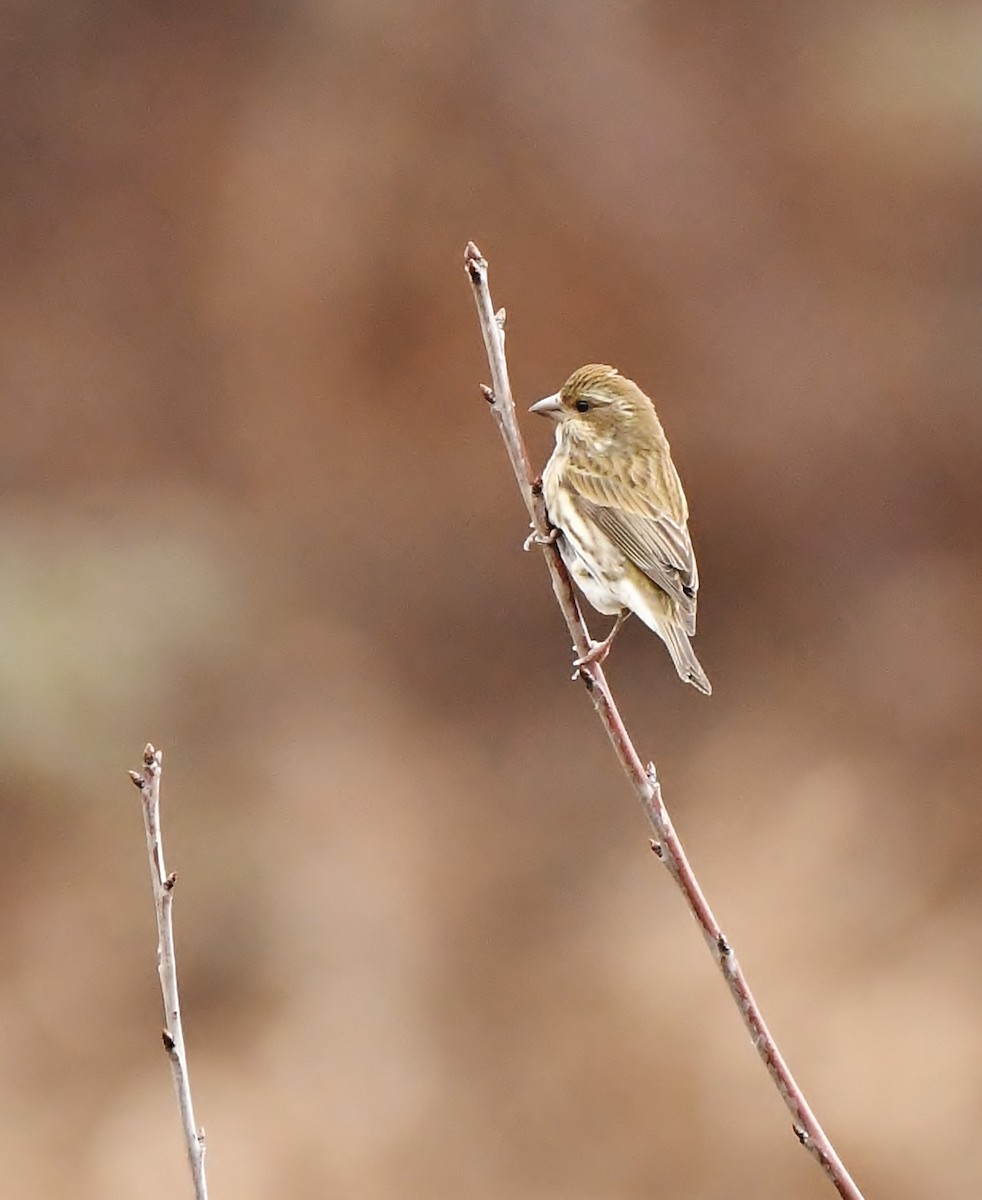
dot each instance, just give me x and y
(612, 491)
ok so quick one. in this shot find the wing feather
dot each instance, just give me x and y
(649, 536)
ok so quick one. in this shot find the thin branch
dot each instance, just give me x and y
(642, 776)
(148, 781)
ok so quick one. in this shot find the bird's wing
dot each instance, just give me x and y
(652, 539)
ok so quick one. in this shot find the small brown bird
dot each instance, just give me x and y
(612, 491)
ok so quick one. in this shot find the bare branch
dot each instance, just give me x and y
(643, 778)
(148, 781)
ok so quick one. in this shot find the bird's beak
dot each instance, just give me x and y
(549, 407)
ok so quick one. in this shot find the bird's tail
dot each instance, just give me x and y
(686, 663)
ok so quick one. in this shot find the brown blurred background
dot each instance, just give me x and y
(253, 509)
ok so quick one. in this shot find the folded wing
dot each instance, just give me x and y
(649, 536)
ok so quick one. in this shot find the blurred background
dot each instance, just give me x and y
(253, 509)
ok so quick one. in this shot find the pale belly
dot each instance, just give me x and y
(601, 593)
(594, 563)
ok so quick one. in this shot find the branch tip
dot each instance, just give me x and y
(475, 263)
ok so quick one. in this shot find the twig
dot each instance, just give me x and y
(643, 778)
(148, 781)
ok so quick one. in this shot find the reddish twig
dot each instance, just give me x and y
(148, 781)
(642, 777)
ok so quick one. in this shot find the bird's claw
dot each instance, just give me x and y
(594, 656)
(538, 539)
(598, 651)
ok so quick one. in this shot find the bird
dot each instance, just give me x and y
(613, 494)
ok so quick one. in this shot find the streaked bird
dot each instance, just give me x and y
(612, 491)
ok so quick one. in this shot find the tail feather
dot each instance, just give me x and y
(660, 613)
(686, 663)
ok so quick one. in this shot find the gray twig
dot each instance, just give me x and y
(643, 778)
(148, 781)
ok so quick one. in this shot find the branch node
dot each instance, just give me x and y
(137, 778)
(168, 884)
(585, 673)
(803, 1136)
(487, 393)
(169, 1043)
(726, 957)
(537, 486)
(656, 849)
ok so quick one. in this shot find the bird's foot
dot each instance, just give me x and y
(595, 655)
(593, 658)
(599, 650)
(538, 539)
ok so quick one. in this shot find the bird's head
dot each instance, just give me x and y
(598, 403)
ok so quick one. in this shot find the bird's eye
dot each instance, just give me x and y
(582, 405)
